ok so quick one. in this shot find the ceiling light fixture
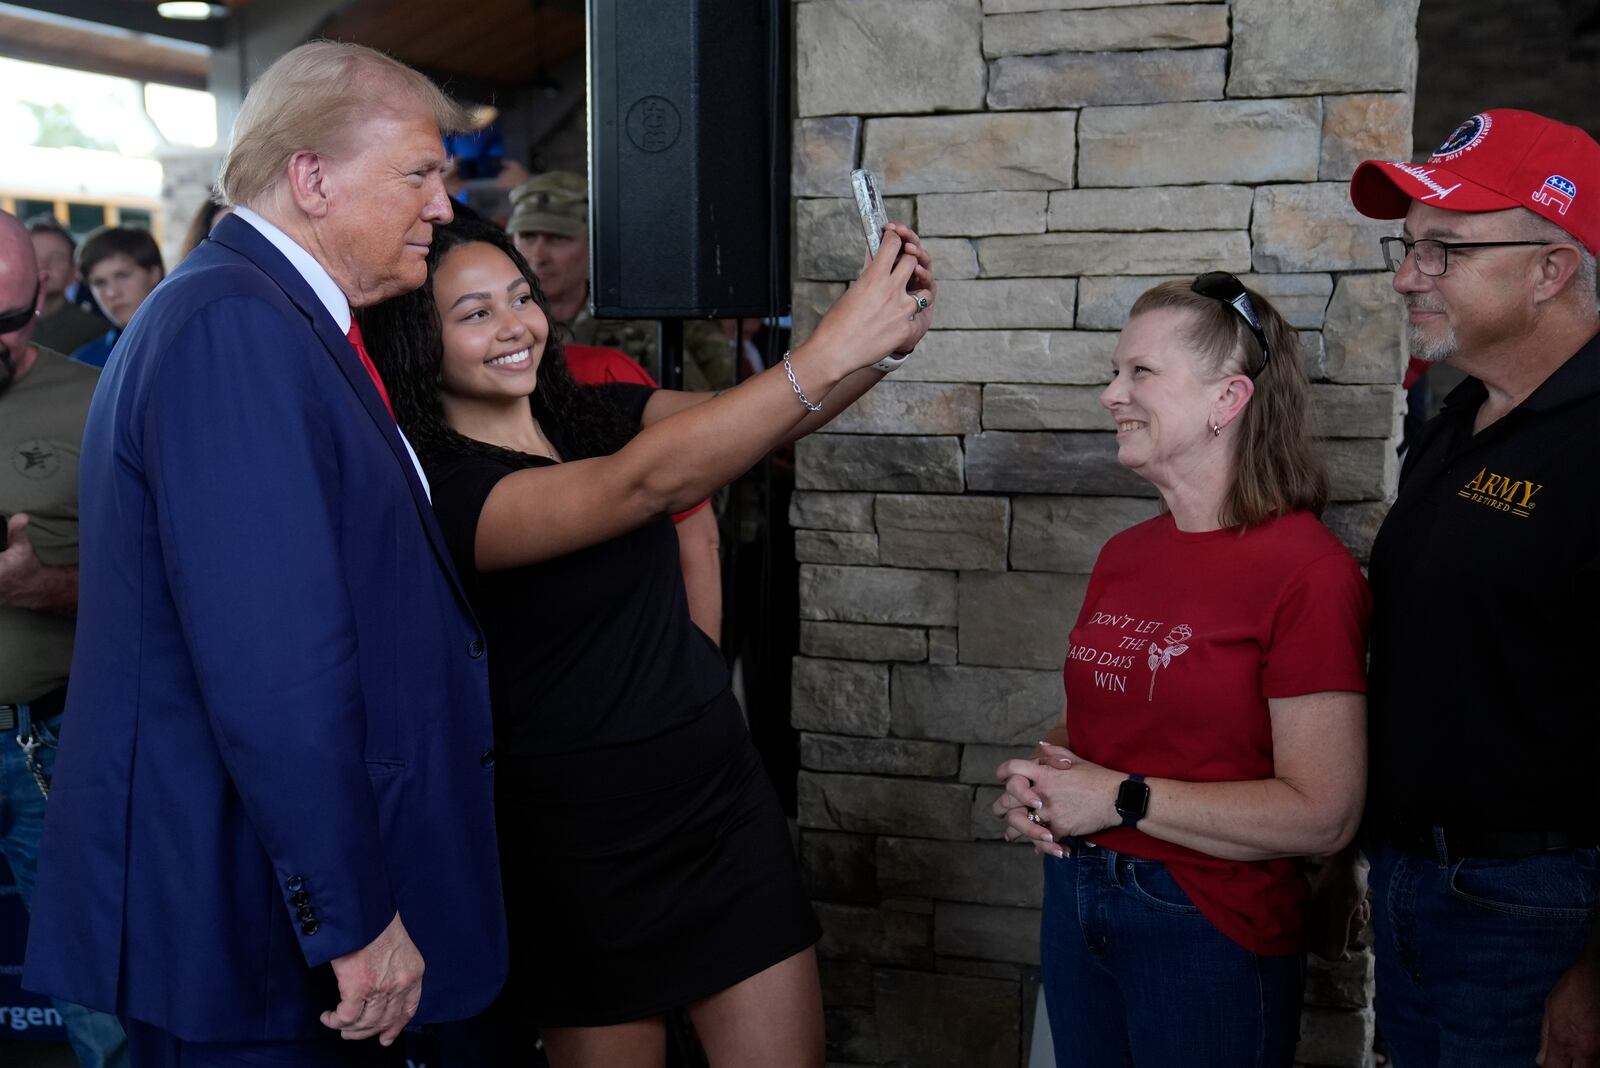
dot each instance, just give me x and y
(190, 9)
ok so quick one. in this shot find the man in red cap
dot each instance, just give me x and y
(1484, 810)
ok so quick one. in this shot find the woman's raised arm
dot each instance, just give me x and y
(674, 462)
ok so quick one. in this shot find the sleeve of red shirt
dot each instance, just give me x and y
(1319, 631)
(595, 365)
(1414, 371)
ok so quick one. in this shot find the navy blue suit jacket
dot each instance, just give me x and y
(277, 731)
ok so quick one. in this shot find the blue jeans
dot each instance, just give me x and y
(96, 1037)
(1135, 975)
(1467, 950)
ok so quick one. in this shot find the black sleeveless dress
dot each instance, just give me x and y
(645, 857)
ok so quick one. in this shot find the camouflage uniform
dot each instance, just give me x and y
(707, 353)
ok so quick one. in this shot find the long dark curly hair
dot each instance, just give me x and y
(404, 337)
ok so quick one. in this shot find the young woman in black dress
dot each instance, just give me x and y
(645, 857)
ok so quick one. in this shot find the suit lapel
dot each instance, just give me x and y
(246, 240)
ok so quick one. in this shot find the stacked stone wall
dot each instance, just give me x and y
(187, 177)
(1058, 157)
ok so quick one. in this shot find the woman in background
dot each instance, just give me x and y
(205, 217)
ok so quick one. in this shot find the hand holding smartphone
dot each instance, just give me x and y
(869, 202)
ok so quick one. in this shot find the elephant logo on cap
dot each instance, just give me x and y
(1556, 192)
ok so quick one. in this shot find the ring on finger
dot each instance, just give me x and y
(922, 302)
(1033, 817)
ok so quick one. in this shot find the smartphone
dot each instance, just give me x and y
(869, 202)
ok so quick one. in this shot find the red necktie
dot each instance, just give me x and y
(366, 361)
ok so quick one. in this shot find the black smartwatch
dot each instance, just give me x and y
(1133, 798)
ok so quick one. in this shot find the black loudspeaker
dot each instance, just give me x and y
(689, 158)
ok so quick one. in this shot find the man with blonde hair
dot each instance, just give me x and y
(274, 807)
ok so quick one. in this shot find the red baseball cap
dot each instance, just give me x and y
(1495, 160)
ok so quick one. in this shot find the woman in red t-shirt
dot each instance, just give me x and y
(1214, 727)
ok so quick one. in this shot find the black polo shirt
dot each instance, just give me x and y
(1485, 673)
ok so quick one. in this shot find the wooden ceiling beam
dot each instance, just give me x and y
(102, 53)
(504, 42)
(136, 15)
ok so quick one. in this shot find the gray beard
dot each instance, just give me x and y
(1435, 351)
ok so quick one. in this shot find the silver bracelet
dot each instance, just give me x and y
(788, 369)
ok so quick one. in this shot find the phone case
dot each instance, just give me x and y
(869, 202)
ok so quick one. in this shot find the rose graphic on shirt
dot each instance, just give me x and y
(1161, 656)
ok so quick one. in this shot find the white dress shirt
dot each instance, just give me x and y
(332, 297)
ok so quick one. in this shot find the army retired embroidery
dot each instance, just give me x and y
(1501, 492)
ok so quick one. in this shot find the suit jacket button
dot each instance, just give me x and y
(487, 760)
(296, 883)
(299, 897)
(310, 927)
(306, 914)
(475, 648)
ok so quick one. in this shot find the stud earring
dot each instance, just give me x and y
(1216, 429)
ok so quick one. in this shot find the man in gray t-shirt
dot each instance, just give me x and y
(44, 401)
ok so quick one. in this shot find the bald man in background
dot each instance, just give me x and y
(44, 400)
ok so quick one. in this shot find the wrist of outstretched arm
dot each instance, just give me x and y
(822, 362)
(891, 363)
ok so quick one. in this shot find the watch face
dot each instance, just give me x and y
(1132, 798)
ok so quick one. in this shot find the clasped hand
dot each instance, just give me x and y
(1070, 796)
(380, 987)
(25, 582)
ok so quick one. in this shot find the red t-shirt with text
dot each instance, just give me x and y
(1182, 639)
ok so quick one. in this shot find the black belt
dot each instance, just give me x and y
(46, 707)
(1498, 845)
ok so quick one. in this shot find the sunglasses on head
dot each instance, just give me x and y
(1220, 285)
(12, 321)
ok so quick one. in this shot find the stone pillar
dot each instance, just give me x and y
(1058, 157)
(187, 178)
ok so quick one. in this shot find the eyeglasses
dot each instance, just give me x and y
(1433, 257)
(12, 321)
(1220, 285)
